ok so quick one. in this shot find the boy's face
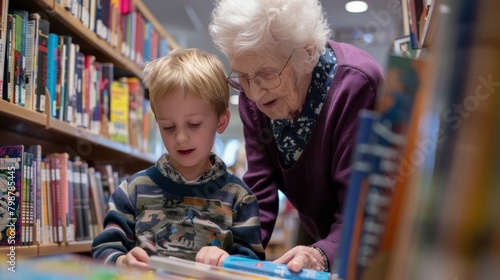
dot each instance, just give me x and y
(188, 125)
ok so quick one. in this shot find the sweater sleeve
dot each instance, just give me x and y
(118, 236)
(246, 230)
(359, 86)
(261, 176)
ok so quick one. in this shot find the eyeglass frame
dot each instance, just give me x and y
(234, 81)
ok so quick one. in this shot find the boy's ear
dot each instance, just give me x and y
(223, 121)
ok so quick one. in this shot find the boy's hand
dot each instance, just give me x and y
(211, 255)
(137, 257)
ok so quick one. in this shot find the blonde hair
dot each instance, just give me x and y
(192, 70)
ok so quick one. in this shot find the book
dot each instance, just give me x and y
(272, 269)
(52, 62)
(356, 193)
(21, 17)
(11, 174)
(136, 101)
(172, 266)
(41, 77)
(119, 112)
(31, 56)
(4, 7)
(8, 79)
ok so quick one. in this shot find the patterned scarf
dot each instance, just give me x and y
(291, 138)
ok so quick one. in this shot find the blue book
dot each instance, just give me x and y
(272, 269)
(147, 42)
(52, 62)
(356, 192)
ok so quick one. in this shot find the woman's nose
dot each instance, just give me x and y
(254, 91)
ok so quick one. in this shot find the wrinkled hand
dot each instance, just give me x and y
(300, 257)
(211, 255)
(137, 257)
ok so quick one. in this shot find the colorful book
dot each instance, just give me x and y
(17, 57)
(272, 269)
(11, 174)
(119, 112)
(172, 267)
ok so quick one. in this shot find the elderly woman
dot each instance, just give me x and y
(300, 94)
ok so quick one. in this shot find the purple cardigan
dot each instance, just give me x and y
(316, 183)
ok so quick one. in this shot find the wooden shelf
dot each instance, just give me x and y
(49, 249)
(20, 117)
(21, 251)
(73, 247)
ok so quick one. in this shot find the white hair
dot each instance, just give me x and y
(270, 26)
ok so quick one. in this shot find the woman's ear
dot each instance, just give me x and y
(311, 58)
(223, 121)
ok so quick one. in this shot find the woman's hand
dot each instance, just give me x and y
(137, 257)
(300, 257)
(211, 255)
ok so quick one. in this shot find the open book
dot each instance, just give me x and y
(233, 268)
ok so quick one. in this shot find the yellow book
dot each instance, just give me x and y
(119, 112)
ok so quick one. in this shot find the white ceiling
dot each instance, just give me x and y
(187, 22)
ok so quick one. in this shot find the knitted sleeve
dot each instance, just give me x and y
(246, 229)
(118, 236)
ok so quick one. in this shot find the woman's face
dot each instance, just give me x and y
(282, 102)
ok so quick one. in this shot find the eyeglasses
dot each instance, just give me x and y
(265, 80)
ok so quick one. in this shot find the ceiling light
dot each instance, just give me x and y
(356, 6)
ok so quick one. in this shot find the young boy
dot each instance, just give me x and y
(187, 205)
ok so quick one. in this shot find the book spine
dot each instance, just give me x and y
(80, 98)
(43, 38)
(11, 170)
(4, 7)
(31, 54)
(356, 193)
(21, 18)
(85, 192)
(52, 62)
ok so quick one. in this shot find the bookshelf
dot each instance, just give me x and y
(20, 125)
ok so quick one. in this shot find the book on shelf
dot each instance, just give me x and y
(51, 76)
(8, 78)
(4, 8)
(11, 179)
(119, 112)
(42, 62)
(21, 23)
(136, 101)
